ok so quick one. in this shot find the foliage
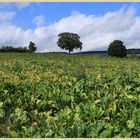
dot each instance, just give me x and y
(42, 95)
(12, 49)
(116, 48)
(69, 41)
(32, 47)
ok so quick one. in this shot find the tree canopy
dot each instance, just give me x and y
(32, 47)
(69, 41)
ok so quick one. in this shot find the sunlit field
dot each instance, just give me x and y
(62, 95)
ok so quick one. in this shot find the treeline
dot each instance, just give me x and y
(30, 49)
(12, 49)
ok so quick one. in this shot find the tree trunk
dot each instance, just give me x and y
(69, 51)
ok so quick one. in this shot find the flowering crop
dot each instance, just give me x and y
(60, 95)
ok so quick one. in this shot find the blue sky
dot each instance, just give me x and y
(41, 22)
(53, 12)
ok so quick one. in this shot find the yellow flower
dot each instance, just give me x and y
(98, 76)
(16, 80)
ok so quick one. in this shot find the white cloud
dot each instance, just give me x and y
(96, 32)
(39, 20)
(6, 16)
(19, 5)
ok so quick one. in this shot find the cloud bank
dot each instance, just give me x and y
(96, 32)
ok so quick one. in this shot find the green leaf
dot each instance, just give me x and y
(1, 104)
(106, 133)
(125, 133)
(130, 124)
(2, 113)
(49, 133)
(14, 134)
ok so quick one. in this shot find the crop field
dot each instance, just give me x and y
(61, 95)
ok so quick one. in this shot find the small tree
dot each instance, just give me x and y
(32, 47)
(69, 41)
(116, 48)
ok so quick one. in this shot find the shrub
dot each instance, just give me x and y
(116, 48)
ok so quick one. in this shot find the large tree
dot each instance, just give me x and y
(116, 48)
(69, 41)
(32, 47)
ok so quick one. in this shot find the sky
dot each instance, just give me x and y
(97, 24)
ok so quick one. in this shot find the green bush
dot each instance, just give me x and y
(116, 48)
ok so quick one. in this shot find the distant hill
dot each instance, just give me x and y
(134, 51)
(93, 52)
(129, 51)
